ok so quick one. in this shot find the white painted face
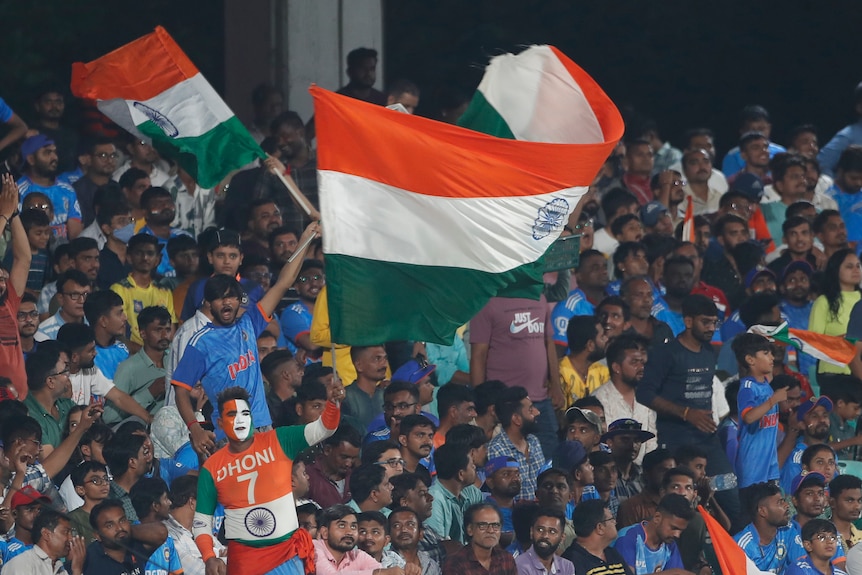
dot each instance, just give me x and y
(236, 420)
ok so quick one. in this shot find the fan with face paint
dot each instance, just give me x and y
(235, 420)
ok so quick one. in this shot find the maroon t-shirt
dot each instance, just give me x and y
(515, 330)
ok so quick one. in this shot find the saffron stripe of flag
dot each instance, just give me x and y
(731, 557)
(829, 348)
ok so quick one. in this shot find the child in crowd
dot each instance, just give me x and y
(91, 482)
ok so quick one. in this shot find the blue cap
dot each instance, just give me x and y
(808, 479)
(569, 455)
(806, 406)
(748, 184)
(33, 144)
(413, 372)
(651, 212)
(497, 463)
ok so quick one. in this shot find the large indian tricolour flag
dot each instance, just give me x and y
(153, 90)
(424, 222)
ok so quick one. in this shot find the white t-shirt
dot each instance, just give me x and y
(89, 382)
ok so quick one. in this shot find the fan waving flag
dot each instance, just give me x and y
(731, 557)
(151, 88)
(425, 222)
(832, 349)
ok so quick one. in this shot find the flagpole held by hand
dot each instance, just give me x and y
(276, 167)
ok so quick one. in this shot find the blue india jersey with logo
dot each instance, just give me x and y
(777, 554)
(222, 357)
(576, 304)
(164, 560)
(757, 455)
(295, 321)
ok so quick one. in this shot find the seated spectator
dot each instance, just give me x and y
(702, 185)
(848, 181)
(642, 506)
(91, 482)
(831, 231)
(183, 497)
(152, 504)
(546, 538)
(403, 92)
(503, 480)
(847, 408)
(518, 418)
(586, 349)
(605, 477)
(719, 268)
(625, 437)
(769, 529)
(329, 474)
(639, 164)
(295, 320)
(406, 531)
(595, 530)
(53, 543)
(363, 399)
(482, 529)
(678, 281)
(335, 546)
(184, 257)
(820, 540)
(90, 449)
(127, 457)
(656, 219)
(105, 313)
(48, 402)
(139, 290)
(400, 399)
(416, 438)
(453, 492)
(830, 314)
(639, 294)
(263, 217)
(411, 490)
(845, 500)
(667, 187)
(120, 540)
(374, 537)
(25, 506)
(616, 202)
(650, 546)
(808, 495)
(283, 373)
(28, 322)
(456, 405)
(386, 455)
(73, 288)
(754, 119)
(116, 229)
(629, 260)
(554, 491)
(38, 227)
(592, 277)
(571, 457)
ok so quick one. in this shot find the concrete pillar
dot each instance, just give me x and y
(294, 43)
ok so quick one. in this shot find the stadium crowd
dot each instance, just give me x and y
(169, 405)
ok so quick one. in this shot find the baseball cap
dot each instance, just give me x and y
(413, 371)
(750, 185)
(495, 464)
(651, 212)
(28, 495)
(627, 426)
(574, 414)
(33, 144)
(811, 403)
(806, 480)
(569, 455)
(756, 272)
(797, 265)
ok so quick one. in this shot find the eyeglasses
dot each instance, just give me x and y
(315, 277)
(38, 443)
(605, 520)
(98, 480)
(43, 207)
(106, 155)
(392, 462)
(76, 295)
(826, 537)
(679, 182)
(741, 207)
(259, 276)
(64, 372)
(398, 406)
(25, 314)
(485, 526)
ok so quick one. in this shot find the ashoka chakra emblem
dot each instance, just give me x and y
(260, 522)
(550, 218)
(158, 119)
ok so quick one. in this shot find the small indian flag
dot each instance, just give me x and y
(425, 222)
(731, 557)
(151, 89)
(688, 234)
(832, 349)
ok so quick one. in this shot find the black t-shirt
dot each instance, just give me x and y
(680, 376)
(588, 564)
(98, 563)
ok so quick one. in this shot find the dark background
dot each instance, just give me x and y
(685, 64)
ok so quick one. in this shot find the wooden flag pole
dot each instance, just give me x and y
(295, 192)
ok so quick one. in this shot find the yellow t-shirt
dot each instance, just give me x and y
(822, 321)
(574, 387)
(136, 298)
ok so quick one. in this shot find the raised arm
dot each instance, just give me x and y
(20, 246)
(288, 274)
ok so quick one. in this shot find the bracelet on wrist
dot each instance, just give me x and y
(192, 423)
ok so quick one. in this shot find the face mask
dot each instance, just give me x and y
(242, 419)
(125, 233)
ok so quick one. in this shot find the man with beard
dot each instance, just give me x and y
(667, 187)
(364, 398)
(54, 540)
(224, 353)
(299, 162)
(555, 492)
(224, 254)
(120, 547)
(845, 499)
(595, 528)
(160, 209)
(546, 535)
(695, 254)
(416, 437)
(261, 525)
(40, 175)
(642, 506)
(638, 293)
(89, 384)
(295, 320)
(627, 356)
(142, 376)
(625, 437)
(503, 478)
(101, 162)
(482, 553)
(813, 418)
(152, 503)
(139, 289)
(769, 541)
(28, 320)
(830, 229)
(678, 385)
(678, 280)
(581, 372)
(129, 459)
(650, 546)
(263, 217)
(335, 547)
(518, 417)
(406, 530)
(362, 72)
